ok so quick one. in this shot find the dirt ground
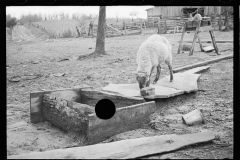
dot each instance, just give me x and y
(34, 64)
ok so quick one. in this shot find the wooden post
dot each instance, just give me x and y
(200, 43)
(125, 28)
(165, 22)
(220, 22)
(213, 41)
(141, 26)
(195, 38)
(181, 41)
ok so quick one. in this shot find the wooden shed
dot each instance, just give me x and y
(176, 11)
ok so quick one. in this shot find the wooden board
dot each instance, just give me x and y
(201, 63)
(125, 119)
(198, 69)
(182, 82)
(186, 82)
(124, 149)
(91, 97)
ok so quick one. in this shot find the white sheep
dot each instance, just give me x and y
(155, 50)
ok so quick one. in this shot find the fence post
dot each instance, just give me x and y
(220, 22)
(141, 26)
(165, 22)
(125, 29)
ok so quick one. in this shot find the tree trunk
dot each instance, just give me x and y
(11, 30)
(100, 44)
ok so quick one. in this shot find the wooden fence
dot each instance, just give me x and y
(175, 24)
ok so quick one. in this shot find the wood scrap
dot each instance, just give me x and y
(209, 41)
(124, 149)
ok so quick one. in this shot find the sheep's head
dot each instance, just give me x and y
(143, 80)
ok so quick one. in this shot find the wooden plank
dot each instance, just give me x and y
(36, 100)
(195, 38)
(209, 41)
(214, 42)
(91, 97)
(125, 119)
(197, 70)
(205, 29)
(181, 41)
(163, 88)
(115, 29)
(124, 149)
(201, 63)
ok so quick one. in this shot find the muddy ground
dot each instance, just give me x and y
(34, 64)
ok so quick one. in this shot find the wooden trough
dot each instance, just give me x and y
(73, 110)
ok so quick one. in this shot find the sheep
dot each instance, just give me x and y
(155, 50)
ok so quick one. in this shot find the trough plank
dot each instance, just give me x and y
(125, 119)
(125, 149)
(91, 97)
(197, 70)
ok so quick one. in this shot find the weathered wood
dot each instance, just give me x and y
(91, 97)
(163, 88)
(208, 49)
(195, 38)
(115, 29)
(124, 149)
(125, 119)
(201, 63)
(209, 41)
(205, 28)
(181, 41)
(200, 43)
(72, 94)
(197, 70)
(213, 41)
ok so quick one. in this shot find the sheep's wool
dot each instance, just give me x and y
(156, 49)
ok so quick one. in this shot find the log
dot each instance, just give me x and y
(201, 63)
(124, 149)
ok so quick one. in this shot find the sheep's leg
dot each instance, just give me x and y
(148, 83)
(157, 74)
(170, 69)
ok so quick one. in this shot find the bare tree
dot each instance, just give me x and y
(10, 23)
(133, 14)
(100, 43)
(61, 15)
(228, 12)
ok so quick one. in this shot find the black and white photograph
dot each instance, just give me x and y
(119, 82)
